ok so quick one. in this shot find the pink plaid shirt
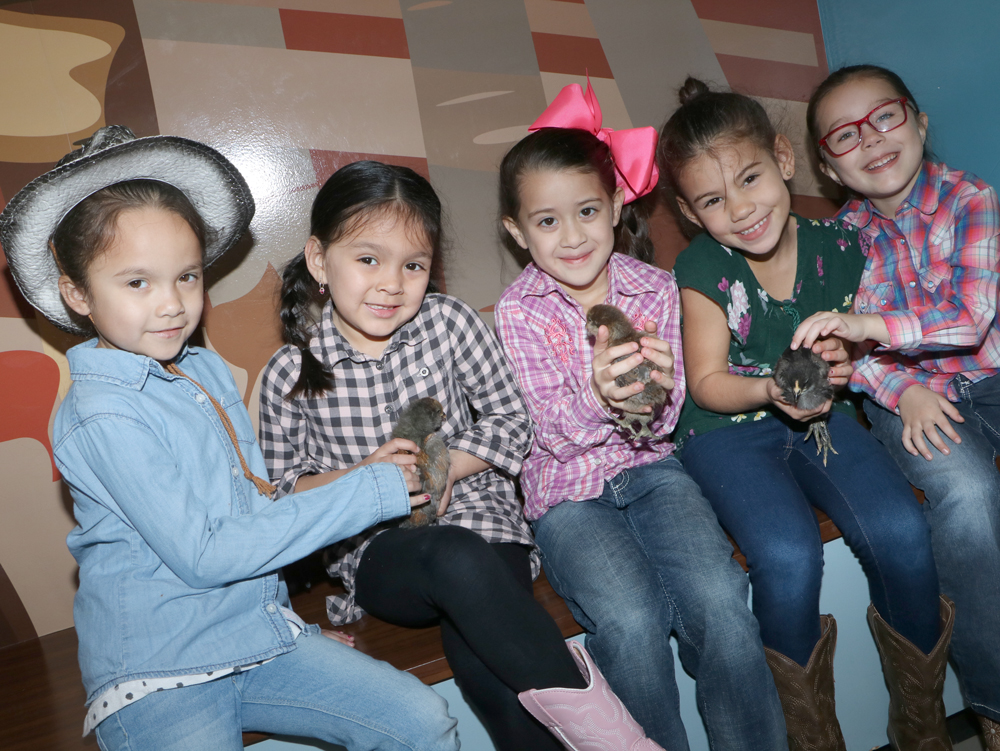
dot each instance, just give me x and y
(932, 274)
(543, 330)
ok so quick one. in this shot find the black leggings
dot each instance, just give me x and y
(498, 640)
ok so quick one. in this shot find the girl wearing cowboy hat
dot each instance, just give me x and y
(186, 635)
(626, 536)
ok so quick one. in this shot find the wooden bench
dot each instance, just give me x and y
(42, 697)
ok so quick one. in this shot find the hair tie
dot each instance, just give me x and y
(633, 150)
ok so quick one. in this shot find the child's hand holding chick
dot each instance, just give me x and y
(632, 372)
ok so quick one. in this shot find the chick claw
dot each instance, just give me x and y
(819, 430)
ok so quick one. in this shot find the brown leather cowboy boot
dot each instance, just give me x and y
(915, 682)
(806, 694)
(991, 732)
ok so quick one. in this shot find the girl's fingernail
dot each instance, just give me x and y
(427, 497)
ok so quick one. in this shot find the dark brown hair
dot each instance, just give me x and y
(705, 121)
(852, 73)
(576, 150)
(352, 198)
(89, 229)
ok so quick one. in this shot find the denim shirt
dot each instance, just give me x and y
(178, 552)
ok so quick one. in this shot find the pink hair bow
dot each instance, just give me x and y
(633, 150)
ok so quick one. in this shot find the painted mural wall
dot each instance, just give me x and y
(292, 89)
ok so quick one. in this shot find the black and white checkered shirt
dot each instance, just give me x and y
(446, 352)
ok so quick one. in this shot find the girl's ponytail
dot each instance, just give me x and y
(632, 233)
(297, 300)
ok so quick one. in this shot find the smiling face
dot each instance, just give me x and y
(145, 293)
(738, 194)
(567, 222)
(885, 166)
(377, 275)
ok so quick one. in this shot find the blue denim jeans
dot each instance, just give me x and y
(762, 480)
(648, 558)
(962, 505)
(322, 689)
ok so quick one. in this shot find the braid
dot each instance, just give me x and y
(297, 298)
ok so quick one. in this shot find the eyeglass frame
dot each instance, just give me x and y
(866, 119)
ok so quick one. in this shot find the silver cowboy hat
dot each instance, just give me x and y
(113, 155)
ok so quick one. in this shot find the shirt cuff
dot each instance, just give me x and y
(592, 415)
(892, 387)
(391, 491)
(905, 331)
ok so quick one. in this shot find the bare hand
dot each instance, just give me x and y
(849, 326)
(834, 351)
(342, 636)
(606, 370)
(802, 415)
(402, 453)
(659, 352)
(446, 495)
(921, 411)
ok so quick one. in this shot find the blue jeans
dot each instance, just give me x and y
(962, 505)
(762, 480)
(648, 558)
(322, 689)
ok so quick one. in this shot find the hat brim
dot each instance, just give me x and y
(214, 186)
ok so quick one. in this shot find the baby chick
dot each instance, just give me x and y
(620, 331)
(419, 422)
(801, 375)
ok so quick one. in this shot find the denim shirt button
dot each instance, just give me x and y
(236, 472)
(271, 608)
(200, 398)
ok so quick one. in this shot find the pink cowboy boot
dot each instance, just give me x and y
(588, 718)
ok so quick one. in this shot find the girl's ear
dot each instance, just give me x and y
(784, 155)
(75, 297)
(685, 208)
(315, 254)
(827, 169)
(922, 126)
(511, 226)
(617, 201)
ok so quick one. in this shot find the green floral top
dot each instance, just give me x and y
(830, 263)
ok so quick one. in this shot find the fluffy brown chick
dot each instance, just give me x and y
(420, 421)
(620, 331)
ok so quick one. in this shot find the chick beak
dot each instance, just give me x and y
(797, 390)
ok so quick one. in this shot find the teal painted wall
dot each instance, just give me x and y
(948, 56)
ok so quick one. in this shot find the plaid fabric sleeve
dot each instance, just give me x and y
(501, 434)
(881, 377)
(962, 280)
(283, 428)
(568, 422)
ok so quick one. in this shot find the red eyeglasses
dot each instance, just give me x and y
(845, 138)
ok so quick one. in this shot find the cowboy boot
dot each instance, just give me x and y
(991, 732)
(915, 682)
(587, 718)
(806, 694)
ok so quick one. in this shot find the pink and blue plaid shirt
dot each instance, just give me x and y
(932, 274)
(543, 330)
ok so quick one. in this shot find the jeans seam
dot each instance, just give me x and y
(676, 619)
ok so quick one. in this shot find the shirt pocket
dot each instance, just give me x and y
(232, 402)
(932, 276)
(876, 298)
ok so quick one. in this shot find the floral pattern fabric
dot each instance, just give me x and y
(829, 266)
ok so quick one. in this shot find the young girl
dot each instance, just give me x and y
(930, 340)
(627, 538)
(186, 636)
(329, 401)
(746, 283)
